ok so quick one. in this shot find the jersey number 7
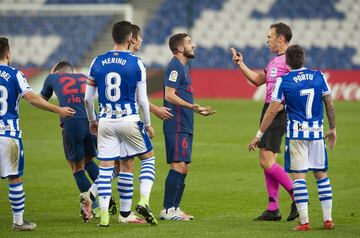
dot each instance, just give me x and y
(309, 101)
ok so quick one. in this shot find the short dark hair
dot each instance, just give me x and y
(135, 30)
(175, 41)
(282, 29)
(4, 47)
(295, 56)
(61, 65)
(120, 31)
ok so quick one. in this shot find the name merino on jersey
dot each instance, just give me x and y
(113, 61)
(303, 90)
(117, 84)
(13, 86)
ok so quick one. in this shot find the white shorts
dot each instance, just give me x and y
(11, 157)
(121, 139)
(304, 155)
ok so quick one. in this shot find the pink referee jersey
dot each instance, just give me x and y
(276, 68)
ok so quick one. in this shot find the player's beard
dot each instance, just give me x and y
(189, 55)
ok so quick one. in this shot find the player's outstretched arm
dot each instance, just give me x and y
(39, 102)
(330, 112)
(204, 111)
(90, 92)
(150, 130)
(93, 127)
(170, 95)
(161, 112)
(143, 101)
(269, 116)
(89, 102)
(253, 77)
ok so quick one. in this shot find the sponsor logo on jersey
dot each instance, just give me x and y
(114, 112)
(5, 128)
(273, 72)
(173, 76)
(301, 127)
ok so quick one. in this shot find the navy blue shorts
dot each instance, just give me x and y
(78, 142)
(178, 147)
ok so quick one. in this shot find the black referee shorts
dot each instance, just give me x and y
(271, 140)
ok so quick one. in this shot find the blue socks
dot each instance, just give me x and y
(92, 170)
(174, 187)
(82, 181)
(180, 191)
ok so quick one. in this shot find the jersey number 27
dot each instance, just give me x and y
(71, 86)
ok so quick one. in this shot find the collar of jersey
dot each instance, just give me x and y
(302, 68)
(120, 51)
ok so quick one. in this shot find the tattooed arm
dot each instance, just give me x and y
(330, 112)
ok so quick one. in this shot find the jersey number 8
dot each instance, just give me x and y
(112, 90)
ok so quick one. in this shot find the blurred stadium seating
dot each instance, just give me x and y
(84, 1)
(328, 29)
(51, 38)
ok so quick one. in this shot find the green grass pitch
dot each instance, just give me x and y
(224, 190)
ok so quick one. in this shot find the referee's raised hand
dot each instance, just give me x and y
(237, 57)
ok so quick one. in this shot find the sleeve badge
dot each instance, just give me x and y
(173, 76)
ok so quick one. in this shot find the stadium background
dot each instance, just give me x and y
(42, 32)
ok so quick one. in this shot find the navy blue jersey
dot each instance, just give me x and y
(13, 86)
(303, 90)
(116, 74)
(69, 88)
(177, 76)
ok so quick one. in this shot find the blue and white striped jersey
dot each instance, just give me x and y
(13, 85)
(303, 90)
(116, 74)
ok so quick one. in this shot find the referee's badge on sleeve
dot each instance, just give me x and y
(173, 76)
